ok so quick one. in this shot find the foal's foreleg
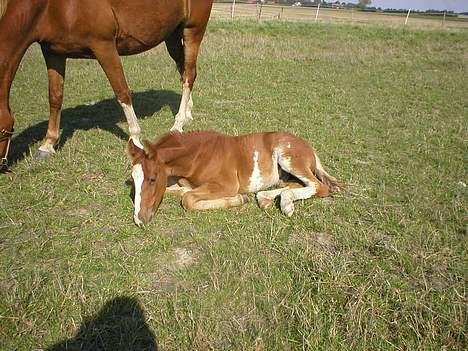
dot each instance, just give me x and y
(56, 74)
(178, 187)
(212, 196)
(108, 57)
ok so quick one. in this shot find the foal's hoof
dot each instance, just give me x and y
(244, 199)
(42, 155)
(264, 202)
(288, 209)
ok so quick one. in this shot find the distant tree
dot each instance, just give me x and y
(364, 3)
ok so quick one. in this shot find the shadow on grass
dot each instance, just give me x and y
(119, 325)
(104, 114)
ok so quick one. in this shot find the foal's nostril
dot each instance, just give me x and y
(144, 217)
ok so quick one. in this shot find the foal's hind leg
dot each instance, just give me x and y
(299, 167)
(312, 187)
(56, 74)
(108, 57)
(266, 198)
(211, 196)
(187, 65)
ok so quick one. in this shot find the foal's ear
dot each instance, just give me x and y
(134, 151)
(148, 147)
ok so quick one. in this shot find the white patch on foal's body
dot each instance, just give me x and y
(283, 161)
(138, 177)
(255, 180)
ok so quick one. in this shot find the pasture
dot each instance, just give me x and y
(382, 266)
(333, 15)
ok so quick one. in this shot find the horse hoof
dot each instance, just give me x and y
(4, 169)
(176, 128)
(42, 155)
(244, 199)
(264, 203)
(288, 210)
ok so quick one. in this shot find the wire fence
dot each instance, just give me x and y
(263, 11)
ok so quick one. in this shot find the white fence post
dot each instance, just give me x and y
(232, 9)
(407, 16)
(317, 12)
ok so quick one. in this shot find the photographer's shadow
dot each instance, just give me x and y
(119, 326)
(104, 114)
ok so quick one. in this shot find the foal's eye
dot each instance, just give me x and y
(152, 180)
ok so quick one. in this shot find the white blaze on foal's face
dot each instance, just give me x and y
(138, 177)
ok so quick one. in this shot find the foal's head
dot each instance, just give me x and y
(150, 178)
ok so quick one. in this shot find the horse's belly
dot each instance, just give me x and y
(129, 45)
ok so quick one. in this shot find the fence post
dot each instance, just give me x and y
(232, 9)
(259, 10)
(317, 12)
(407, 16)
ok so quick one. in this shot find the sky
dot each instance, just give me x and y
(450, 5)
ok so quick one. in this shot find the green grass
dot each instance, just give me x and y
(380, 267)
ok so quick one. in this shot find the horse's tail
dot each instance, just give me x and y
(331, 182)
(3, 6)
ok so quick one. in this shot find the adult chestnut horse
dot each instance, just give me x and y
(102, 30)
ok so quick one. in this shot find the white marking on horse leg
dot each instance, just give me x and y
(255, 180)
(182, 117)
(289, 196)
(138, 176)
(283, 160)
(265, 198)
(189, 108)
(47, 147)
(132, 121)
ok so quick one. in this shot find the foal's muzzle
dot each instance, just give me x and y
(143, 217)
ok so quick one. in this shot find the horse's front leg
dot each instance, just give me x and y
(56, 74)
(192, 38)
(211, 196)
(108, 57)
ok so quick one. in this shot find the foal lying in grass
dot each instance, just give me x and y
(217, 170)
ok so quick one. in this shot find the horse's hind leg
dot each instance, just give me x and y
(300, 168)
(108, 57)
(266, 198)
(192, 38)
(56, 74)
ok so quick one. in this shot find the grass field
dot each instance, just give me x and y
(382, 266)
(328, 15)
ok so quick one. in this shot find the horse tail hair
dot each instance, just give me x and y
(331, 182)
(3, 6)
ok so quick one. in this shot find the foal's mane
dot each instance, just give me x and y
(3, 6)
(182, 139)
